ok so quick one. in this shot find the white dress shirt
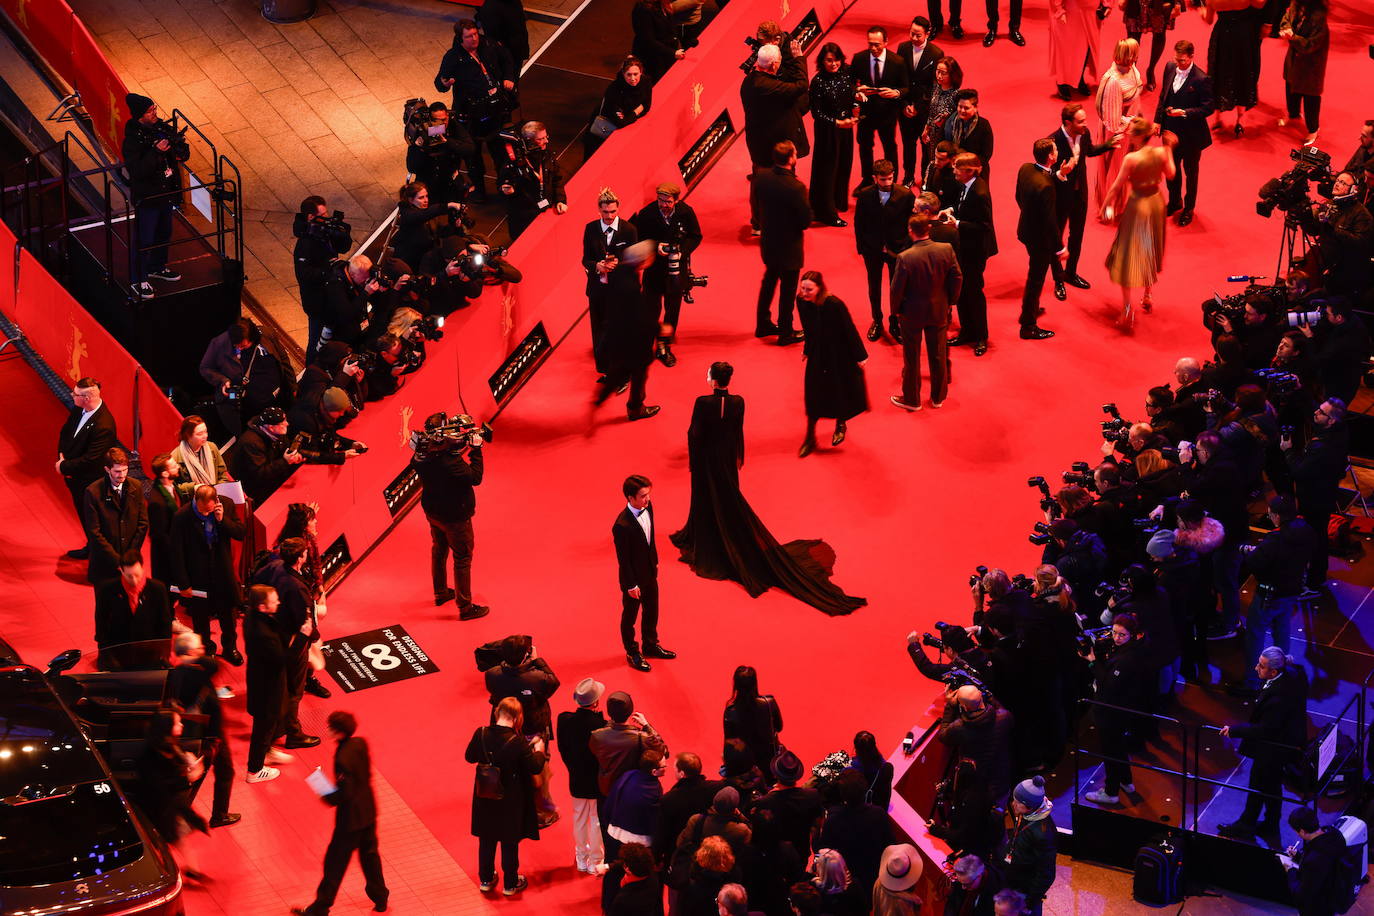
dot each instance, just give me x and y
(85, 415)
(642, 516)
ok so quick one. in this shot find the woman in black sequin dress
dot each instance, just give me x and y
(832, 109)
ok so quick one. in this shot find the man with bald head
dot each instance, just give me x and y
(978, 733)
(203, 567)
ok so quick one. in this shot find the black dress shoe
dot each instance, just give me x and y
(473, 612)
(1185, 217)
(807, 448)
(959, 340)
(316, 689)
(787, 338)
(301, 741)
(837, 223)
(233, 657)
(1236, 830)
(225, 820)
(989, 38)
(1060, 292)
(765, 330)
(956, 32)
(935, 31)
(1076, 280)
(1017, 38)
(637, 661)
(1035, 333)
(875, 330)
(667, 357)
(80, 553)
(657, 651)
(644, 413)
(980, 348)
(1065, 91)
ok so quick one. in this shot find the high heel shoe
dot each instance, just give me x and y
(1146, 303)
(1240, 131)
(807, 448)
(839, 435)
(1127, 317)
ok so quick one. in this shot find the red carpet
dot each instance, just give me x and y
(911, 503)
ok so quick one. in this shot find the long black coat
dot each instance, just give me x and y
(114, 624)
(355, 804)
(784, 214)
(265, 642)
(162, 507)
(197, 565)
(655, 42)
(1278, 720)
(574, 733)
(1304, 66)
(512, 817)
(113, 524)
(833, 350)
(772, 109)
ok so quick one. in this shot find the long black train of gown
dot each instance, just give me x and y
(724, 539)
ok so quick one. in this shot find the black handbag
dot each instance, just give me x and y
(489, 774)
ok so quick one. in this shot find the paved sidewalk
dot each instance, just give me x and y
(312, 107)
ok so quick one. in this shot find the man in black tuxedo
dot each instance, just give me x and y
(1185, 103)
(604, 240)
(131, 607)
(203, 561)
(880, 234)
(668, 220)
(771, 94)
(971, 215)
(1071, 189)
(882, 79)
(115, 516)
(1275, 735)
(637, 557)
(784, 214)
(355, 820)
(1038, 229)
(969, 131)
(920, 55)
(81, 446)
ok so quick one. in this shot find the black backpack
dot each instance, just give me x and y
(1158, 873)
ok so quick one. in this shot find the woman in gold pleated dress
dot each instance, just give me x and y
(1137, 195)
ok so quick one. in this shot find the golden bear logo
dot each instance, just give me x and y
(697, 90)
(406, 414)
(507, 314)
(77, 352)
(786, 8)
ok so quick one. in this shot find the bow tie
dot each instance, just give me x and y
(639, 512)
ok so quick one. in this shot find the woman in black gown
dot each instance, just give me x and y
(832, 111)
(1233, 56)
(834, 354)
(723, 538)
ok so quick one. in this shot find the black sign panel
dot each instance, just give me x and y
(710, 146)
(399, 492)
(376, 657)
(520, 365)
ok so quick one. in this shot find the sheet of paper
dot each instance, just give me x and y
(320, 783)
(232, 489)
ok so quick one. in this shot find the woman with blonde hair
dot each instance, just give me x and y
(1137, 254)
(1118, 102)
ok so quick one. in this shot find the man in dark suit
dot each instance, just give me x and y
(163, 499)
(1038, 229)
(969, 131)
(1071, 190)
(882, 79)
(637, 558)
(925, 284)
(771, 94)
(573, 733)
(971, 215)
(1185, 103)
(131, 607)
(296, 618)
(203, 562)
(880, 233)
(604, 240)
(920, 55)
(1275, 735)
(784, 214)
(355, 820)
(81, 446)
(668, 221)
(115, 517)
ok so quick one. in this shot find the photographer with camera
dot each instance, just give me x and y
(320, 239)
(1139, 594)
(1343, 348)
(530, 177)
(482, 76)
(1213, 479)
(416, 232)
(349, 286)
(1318, 471)
(262, 457)
(152, 153)
(1279, 563)
(317, 429)
(246, 376)
(438, 146)
(1077, 553)
(978, 732)
(1345, 235)
(448, 460)
(337, 367)
(1178, 570)
(1257, 334)
(1123, 677)
(525, 676)
(392, 361)
(673, 224)
(773, 94)
(985, 654)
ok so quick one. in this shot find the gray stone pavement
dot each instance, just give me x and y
(307, 108)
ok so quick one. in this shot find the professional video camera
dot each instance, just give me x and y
(1270, 301)
(755, 43)
(1289, 192)
(459, 431)
(1116, 429)
(1279, 384)
(1047, 500)
(327, 228)
(324, 442)
(1097, 641)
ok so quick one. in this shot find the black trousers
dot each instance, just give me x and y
(1073, 212)
(832, 159)
(1115, 744)
(596, 322)
(910, 129)
(1041, 260)
(455, 538)
(973, 302)
(937, 16)
(153, 222)
(341, 847)
(223, 765)
(886, 131)
(638, 377)
(1320, 563)
(645, 607)
(510, 860)
(663, 295)
(873, 266)
(202, 611)
(1185, 178)
(784, 280)
(1014, 17)
(1311, 104)
(1266, 776)
(297, 668)
(476, 168)
(265, 731)
(937, 352)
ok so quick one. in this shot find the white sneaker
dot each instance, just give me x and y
(225, 693)
(144, 290)
(266, 774)
(277, 755)
(1099, 797)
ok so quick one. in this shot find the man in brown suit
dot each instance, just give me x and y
(925, 283)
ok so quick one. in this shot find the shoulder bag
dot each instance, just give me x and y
(489, 774)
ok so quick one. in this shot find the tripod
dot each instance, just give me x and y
(1294, 239)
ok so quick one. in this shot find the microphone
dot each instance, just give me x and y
(1245, 278)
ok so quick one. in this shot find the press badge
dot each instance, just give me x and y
(543, 203)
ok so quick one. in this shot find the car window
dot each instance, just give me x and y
(81, 831)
